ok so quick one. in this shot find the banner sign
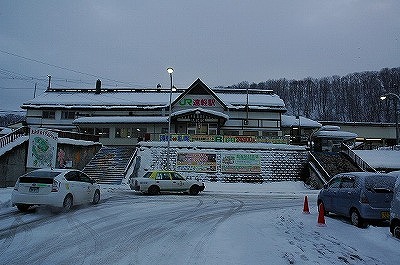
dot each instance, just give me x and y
(222, 138)
(196, 162)
(175, 138)
(241, 163)
(42, 149)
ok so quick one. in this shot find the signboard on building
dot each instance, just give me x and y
(241, 163)
(42, 149)
(203, 101)
(196, 162)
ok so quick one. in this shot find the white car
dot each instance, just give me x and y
(154, 182)
(60, 188)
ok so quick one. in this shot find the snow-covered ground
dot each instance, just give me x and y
(228, 223)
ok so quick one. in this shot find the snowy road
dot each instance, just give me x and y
(212, 228)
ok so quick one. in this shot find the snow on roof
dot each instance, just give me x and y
(121, 119)
(212, 112)
(260, 100)
(389, 159)
(289, 121)
(334, 132)
(143, 99)
(103, 100)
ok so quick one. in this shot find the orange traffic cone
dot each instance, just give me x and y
(321, 215)
(306, 210)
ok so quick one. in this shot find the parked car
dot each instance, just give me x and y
(395, 207)
(61, 188)
(362, 196)
(154, 182)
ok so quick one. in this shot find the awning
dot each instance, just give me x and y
(121, 119)
(201, 110)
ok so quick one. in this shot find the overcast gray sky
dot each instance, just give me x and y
(131, 43)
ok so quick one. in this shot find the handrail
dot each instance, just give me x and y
(130, 162)
(319, 167)
(357, 159)
(316, 170)
(76, 135)
(12, 136)
(24, 131)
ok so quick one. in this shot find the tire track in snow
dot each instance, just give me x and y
(199, 250)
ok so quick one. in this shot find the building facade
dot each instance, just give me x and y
(126, 116)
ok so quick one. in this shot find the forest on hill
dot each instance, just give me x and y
(351, 98)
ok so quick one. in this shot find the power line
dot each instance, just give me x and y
(17, 88)
(65, 68)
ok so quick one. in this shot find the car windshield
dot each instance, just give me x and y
(380, 184)
(39, 177)
(147, 175)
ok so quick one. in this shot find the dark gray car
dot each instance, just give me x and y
(362, 196)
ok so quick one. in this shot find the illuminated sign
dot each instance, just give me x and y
(197, 102)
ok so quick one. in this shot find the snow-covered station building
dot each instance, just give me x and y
(198, 113)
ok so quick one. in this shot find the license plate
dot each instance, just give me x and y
(34, 189)
(385, 215)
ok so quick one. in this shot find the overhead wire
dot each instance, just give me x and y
(68, 69)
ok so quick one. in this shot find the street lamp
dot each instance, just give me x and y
(170, 71)
(383, 97)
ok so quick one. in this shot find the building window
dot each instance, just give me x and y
(67, 115)
(212, 129)
(87, 130)
(49, 114)
(103, 132)
(130, 132)
(230, 133)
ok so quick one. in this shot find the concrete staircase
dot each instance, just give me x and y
(328, 164)
(110, 164)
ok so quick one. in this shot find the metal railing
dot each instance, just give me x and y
(357, 159)
(24, 131)
(323, 175)
(11, 137)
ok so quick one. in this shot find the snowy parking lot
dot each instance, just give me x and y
(228, 223)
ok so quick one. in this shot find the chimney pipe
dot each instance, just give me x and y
(49, 76)
(98, 86)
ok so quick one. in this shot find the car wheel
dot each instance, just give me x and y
(356, 219)
(68, 202)
(23, 207)
(194, 190)
(96, 197)
(154, 190)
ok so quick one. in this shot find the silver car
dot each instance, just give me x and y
(362, 196)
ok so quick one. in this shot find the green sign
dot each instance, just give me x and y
(241, 163)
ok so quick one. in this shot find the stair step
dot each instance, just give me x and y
(108, 165)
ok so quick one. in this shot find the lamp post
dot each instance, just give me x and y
(397, 112)
(170, 70)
